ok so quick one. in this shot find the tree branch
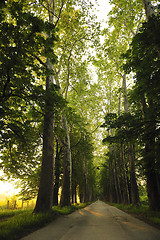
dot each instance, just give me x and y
(44, 64)
(51, 12)
(125, 24)
(47, 8)
(59, 15)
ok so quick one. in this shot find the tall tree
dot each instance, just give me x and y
(24, 47)
(45, 193)
(144, 50)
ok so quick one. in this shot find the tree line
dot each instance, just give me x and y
(45, 139)
(52, 105)
(133, 130)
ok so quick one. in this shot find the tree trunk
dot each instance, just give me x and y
(125, 191)
(117, 181)
(45, 193)
(125, 194)
(67, 161)
(81, 197)
(112, 176)
(111, 185)
(74, 194)
(85, 194)
(124, 85)
(149, 9)
(134, 188)
(152, 179)
(57, 174)
(152, 175)
(67, 166)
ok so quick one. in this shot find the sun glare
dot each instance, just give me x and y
(8, 189)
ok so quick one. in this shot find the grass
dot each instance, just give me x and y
(15, 224)
(70, 209)
(143, 212)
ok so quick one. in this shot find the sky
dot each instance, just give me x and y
(7, 188)
(101, 11)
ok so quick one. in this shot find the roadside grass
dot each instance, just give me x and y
(67, 210)
(143, 212)
(15, 224)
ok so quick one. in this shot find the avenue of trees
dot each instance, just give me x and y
(61, 75)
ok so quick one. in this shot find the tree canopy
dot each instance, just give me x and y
(62, 73)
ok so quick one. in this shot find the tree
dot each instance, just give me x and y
(22, 95)
(45, 193)
(143, 58)
(23, 98)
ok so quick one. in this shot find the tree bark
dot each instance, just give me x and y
(74, 194)
(45, 193)
(124, 85)
(67, 166)
(149, 9)
(57, 174)
(124, 183)
(67, 160)
(117, 180)
(134, 194)
(85, 194)
(134, 187)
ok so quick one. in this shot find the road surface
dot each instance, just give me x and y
(98, 221)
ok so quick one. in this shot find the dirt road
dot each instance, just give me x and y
(98, 221)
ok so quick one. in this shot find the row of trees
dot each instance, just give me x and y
(45, 138)
(133, 129)
(52, 105)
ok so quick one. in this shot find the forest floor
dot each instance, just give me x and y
(141, 212)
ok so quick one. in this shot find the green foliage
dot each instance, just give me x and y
(143, 59)
(23, 97)
(126, 14)
(127, 127)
